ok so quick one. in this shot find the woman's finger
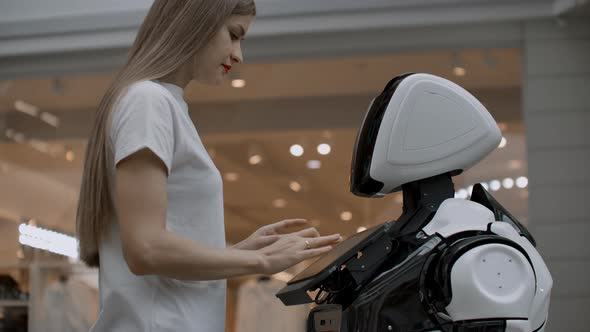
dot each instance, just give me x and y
(308, 232)
(321, 241)
(284, 225)
(311, 253)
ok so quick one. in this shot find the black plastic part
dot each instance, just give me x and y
(421, 201)
(343, 254)
(481, 326)
(393, 301)
(483, 197)
(361, 183)
(325, 318)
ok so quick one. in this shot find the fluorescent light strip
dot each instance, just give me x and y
(51, 241)
(50, 119)
(26, 108)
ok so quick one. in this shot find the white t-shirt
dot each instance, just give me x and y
(259, 310)
(154, 115)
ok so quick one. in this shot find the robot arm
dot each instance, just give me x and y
(487, 281)
(495, 277)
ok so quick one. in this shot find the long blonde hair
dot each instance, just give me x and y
(171, 34)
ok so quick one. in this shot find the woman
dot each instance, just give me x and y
(151, 205)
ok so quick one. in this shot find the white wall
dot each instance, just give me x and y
(556, 89)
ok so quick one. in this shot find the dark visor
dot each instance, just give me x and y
(361, 183)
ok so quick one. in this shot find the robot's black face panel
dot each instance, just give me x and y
(361, 183)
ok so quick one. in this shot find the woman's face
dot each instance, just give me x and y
(213, 63)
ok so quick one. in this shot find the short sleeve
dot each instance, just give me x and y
(143, 119)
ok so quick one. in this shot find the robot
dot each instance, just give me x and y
(445, 264)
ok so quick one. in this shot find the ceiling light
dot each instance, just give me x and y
(231, 176)
(296, 150)
(503, 143)
(279, 203)
(295, 186)
(495, 185)
(361, 229)
(508, 183)
(255, 159)
(50, 119)
(461, 194)
(238, 83)
(459, 71)
(324, 149)
(70, 156)
(314, 164)
(26, 108)
(522, 182)
(346, 215)
(457, 65)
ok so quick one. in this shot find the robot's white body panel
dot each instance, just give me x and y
(493, 280)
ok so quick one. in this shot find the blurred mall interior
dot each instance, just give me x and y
(282, 130)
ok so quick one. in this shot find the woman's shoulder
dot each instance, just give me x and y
(147, 90)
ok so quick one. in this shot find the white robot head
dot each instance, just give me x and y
(420, 126)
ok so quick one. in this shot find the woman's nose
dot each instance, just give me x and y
(236, 56)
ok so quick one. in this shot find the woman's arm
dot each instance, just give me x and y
(148, 248)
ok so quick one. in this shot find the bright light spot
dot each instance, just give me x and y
(295, 186)
(296, 150)
(26, 108)
(255, 159)
(503, 143)
(346, 215)
(495, 185)
(459, 71)
(522, 182)
(324, 149)
(70, 156)
(462, 194)
(485, 186)
(279, 203)
(48, 240)
(238, 83)
(508, 183)
(314, 164)
(361, 229)
(231, 176)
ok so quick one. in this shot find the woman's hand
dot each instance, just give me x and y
(269, 234)
(292, 249)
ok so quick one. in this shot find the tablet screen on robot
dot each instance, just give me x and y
(340, 254)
